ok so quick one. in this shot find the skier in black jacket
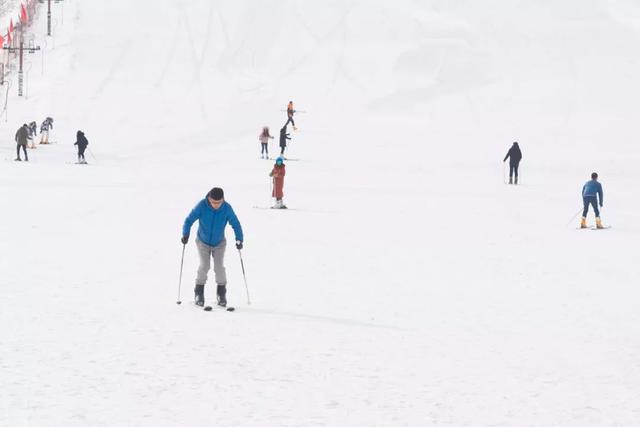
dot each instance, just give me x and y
(81, 142)
(33, 132)
(22, 138)
(283, 139)
(514, 155)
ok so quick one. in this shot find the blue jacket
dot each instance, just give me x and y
(212, 222)
(591, 189)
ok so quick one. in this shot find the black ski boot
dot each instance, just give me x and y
(199, 291)
(222, 295)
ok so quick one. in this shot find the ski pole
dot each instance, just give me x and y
(245, 277)
(504, 173)
(573, 217)
(91, 152)
(184, 246)
(271, 191)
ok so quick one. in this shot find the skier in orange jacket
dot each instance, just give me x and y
(290, 112)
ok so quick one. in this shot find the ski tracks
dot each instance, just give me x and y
(321, 40)
(197, 59)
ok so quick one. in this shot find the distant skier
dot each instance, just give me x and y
(283, 140)
(81, 142)
(22, 138)
(590, 193)
(277, 174)
(264, 138)
(45, 127)
(213, 214)
(33, 132)
(290, 113)
(514, 155)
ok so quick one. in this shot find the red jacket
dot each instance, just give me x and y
(278, 173)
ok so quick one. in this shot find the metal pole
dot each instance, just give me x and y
(91, 152)
(20, 72)
(271, 192)
(49, 18)
(184, 245)
(574, 217)
(245, 277)
(6, 101)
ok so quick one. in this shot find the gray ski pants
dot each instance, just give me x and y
(206, 252)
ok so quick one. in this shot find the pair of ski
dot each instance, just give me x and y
(211, 307)
(595, 228)
(274, 208)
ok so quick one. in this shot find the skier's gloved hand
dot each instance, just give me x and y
(184, 240)
(238, 244)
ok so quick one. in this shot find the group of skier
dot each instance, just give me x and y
(28, 132)
(592, 193)
(279, 169)
(26, 135)
(265, 135)
(264, 138)
(213, 213)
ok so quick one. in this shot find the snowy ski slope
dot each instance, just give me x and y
(409, 287)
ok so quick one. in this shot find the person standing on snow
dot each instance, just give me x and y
(277, 174)
(514, 155)
(213, 213)
(590, 193)
(283, 140)
(290, 112)
(264, 141)
(33, 131)
(22, 138)
(45, 127)
(81, 142)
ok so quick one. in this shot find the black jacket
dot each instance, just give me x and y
(33, 128)
(283, 137)
(81, 140)
(22, 135)
(514, 154)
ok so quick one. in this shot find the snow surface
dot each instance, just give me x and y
(410, 287)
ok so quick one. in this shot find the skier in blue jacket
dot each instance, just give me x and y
(213, 214)
(590, 193)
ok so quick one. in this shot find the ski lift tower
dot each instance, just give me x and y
(31, 49)
(49, 15)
